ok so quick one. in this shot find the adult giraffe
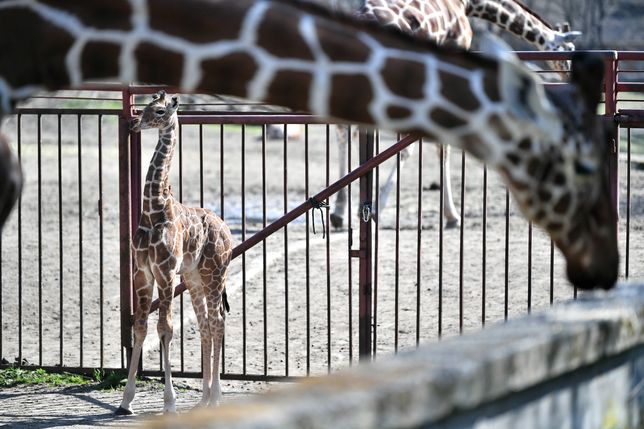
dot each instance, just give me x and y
(549, 149)
(446, 22)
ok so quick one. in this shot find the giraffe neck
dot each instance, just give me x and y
(156, 193)
(281, 52)
(441, 21)
(513, 16)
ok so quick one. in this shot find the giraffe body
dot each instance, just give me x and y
(446, 22)
(173, 240)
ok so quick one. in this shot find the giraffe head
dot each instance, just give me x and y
(159, 113)
(562, 41)
(562, 186)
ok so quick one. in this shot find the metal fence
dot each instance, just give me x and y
(302, 303)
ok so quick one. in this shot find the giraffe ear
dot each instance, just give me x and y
(175, 101)
(567, 37)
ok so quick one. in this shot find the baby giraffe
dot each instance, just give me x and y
(172, 240)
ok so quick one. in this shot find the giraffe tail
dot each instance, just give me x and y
(225, 302)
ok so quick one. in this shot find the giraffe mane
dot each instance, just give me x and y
(371, 26)
(532, 12)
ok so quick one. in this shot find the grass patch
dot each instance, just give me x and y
(13, 376)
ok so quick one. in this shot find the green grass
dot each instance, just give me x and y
(13, 376)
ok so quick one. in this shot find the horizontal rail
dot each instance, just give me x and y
(250, 119)
(70, 111)
(305, 206)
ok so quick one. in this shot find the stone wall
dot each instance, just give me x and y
(577, 365)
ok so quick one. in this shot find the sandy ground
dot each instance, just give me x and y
(41, 406)
(398, 295)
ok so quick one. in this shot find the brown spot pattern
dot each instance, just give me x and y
(283, 44)
(563, 204)
(22, 52)
(158, 65)
(446, 119)
(496, 123)
(237, 68)
(411, 86)
(350, 97)
(291, 88)
(100, 60)
(398, 112)
(339, 46)
(174, 18)
(457, 90)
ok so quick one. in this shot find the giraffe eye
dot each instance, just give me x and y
(160, 112)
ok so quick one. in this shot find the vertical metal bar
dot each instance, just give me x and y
(61, 295)
(552, 272)
(610, 91)
(328, 257)
(529, 267)
(366, 263)
(182, 361)
(461, 249)
(264, 268)
(441, 210)
(419, 231)
(349, 246)
(628, 202)
(307, 253)
(397, 254)
(375, 255)
(201, 191)
(19, 135)
(80, 233)
(100, 245)
(126, 200)
(484, 248)
(286, 333)
(243, 237)
(506, 292)
(223, 217)
(39, 160)
(1, 298)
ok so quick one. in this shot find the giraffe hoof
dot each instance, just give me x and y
(123, 412)
(434, 186)
(451, 224)
(336, 221)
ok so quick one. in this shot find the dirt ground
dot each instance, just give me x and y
(90, 279)
(42, 406)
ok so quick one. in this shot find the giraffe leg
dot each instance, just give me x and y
(217, 319)
(451, 214)
(198, 298)
(143, 284)
(337, 217)
(392, 179)
(165, 282)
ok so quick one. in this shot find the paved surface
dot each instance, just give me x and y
(40, 406)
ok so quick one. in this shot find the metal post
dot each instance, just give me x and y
(610, 96)
(365, 252)
(125, 225)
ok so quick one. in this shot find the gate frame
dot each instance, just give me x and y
(130, 189)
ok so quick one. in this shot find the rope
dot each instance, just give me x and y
(318, 205)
